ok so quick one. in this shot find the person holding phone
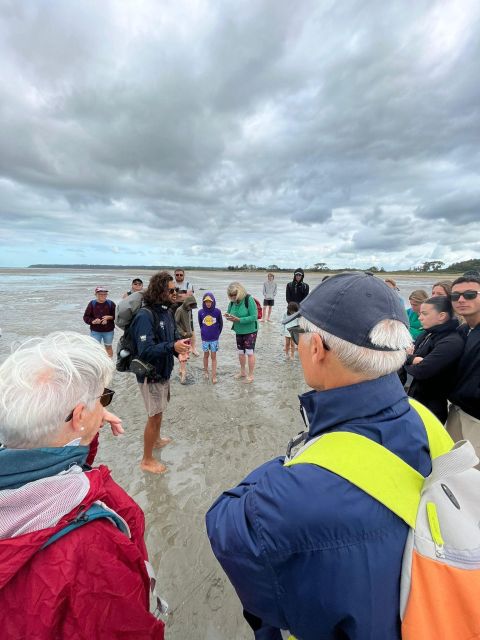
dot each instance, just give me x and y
(242, 312)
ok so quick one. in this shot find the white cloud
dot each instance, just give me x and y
(197, 132)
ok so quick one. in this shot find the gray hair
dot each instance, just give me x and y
(43, 380)
(369, 363)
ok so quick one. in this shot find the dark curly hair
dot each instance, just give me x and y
(157, 290)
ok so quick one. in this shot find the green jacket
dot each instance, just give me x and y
(248, 316)
(415, 325)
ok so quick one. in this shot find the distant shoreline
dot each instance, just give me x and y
(399, 272)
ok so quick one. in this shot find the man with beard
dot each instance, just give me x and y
(156, 342)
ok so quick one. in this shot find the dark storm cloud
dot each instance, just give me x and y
(333, 129)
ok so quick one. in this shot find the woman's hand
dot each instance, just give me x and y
(416, 360)
(229, 316)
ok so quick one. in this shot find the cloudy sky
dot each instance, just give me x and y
(218, 132)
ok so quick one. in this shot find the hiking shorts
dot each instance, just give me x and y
(103, 336)
(210, 345)
(155, 395)
(268, 302)
(246, 343)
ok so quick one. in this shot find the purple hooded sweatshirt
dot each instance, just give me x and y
(210, 320)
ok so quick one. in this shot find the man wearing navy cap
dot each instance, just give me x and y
(308, 553)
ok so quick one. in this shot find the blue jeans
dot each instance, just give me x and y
(103, 336)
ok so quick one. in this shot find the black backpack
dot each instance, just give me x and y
(127, 360)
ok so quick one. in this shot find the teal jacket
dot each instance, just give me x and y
(415, 326)
(248, 316)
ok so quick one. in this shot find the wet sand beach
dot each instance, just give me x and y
(219, 432)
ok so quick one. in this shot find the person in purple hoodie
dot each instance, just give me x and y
(211, 325)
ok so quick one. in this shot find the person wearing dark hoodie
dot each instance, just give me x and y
(184, 322)
(211, 324)
(436, 353)
(73, 559)
(297, 289)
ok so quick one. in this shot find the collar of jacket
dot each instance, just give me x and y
(370, 400)
(20, 466)
(446, 327)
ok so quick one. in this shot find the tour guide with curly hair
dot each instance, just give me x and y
(154, 333)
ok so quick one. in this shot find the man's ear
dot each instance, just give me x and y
(317, 349)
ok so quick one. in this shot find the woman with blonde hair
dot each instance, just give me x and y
(242, 312)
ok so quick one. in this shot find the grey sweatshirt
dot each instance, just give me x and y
(269, 289)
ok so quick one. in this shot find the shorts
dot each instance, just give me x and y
(156, 396)
(103, 336)
(268, 303)
(246, 343)
(210, 345)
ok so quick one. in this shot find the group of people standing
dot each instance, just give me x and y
(442, 368)
(309, 552)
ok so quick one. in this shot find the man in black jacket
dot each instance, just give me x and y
(464, 416)
(156, 342)
(297, 290)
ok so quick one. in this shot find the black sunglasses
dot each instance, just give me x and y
(105, 400)
(471, 294)
(295, 332)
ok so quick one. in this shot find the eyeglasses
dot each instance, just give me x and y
(471, 294)
(295, 330)
(178, 275)
(172, 291)
(105, 400)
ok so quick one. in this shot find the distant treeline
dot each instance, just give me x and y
(432, 266)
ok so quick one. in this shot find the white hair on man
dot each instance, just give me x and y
(43, 380)
(369, 363)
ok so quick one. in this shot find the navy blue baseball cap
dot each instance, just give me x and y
(350, 304)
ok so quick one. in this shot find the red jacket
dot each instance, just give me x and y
(92, 583)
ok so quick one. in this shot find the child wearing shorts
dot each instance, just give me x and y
(269, 293)
(211, 324)
(289, 343)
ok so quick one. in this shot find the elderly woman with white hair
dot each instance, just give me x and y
(73, 558)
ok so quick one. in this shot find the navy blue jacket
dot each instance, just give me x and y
(154, 344)
(306, 550)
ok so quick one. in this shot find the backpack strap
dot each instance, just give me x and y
(439, 441)
(369, 466)
(374, 468)
(94, 512)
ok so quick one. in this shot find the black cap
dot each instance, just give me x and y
(350, 304)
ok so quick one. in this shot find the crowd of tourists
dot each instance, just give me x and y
(313, 541)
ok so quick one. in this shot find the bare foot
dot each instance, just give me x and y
(214, 380)
(162, 442)
(248, 379)
(205, 373)
(153, 466)
(195, 353)
(237, 376)
(182, 378)
(262, 320)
